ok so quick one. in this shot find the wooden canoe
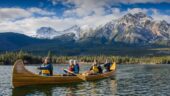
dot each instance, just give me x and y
(22, 77)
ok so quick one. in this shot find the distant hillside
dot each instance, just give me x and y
(16, 41)
(12, 41)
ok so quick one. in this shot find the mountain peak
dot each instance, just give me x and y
(50, 33)
(46, 32)
(137, 16)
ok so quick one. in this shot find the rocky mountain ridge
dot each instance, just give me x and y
(135, 28)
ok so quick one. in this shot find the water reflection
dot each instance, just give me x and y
(33, 90)
(101, 87)
(106, 87)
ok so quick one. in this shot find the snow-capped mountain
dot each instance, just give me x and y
(50, 33)
(135, 28)
(74, 30)
(139, 28)
(47, 33)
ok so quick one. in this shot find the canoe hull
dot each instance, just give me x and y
(22, 77)
(99, 76)
(34, 80)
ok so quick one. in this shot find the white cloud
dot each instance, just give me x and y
(158, 16)
(13, 13)
(19, 13)
(136, 10)
(87, 7)
(40, 11)
(10, 18)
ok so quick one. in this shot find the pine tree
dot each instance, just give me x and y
(21, 54)
(49, 54)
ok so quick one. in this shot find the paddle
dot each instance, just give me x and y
(78, 75)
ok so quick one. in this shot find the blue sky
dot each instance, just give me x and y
(26, 16)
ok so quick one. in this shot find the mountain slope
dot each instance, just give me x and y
(131, 29)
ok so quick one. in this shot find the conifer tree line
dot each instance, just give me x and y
(9, 58)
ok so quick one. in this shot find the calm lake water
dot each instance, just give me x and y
(138, 80)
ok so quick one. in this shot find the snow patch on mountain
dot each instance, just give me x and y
(47, 33)
(50, 33)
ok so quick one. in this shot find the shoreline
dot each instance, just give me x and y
(11, 57)
(89, 63)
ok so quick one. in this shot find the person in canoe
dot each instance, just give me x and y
(76, 67)
(70, 69)
(46, 68)
(100, 68)
(94, 68)
(107, 65)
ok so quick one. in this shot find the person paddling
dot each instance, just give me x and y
(107, 65)
(70, 69)
(94, 69)
(46, 68)
(100, 68)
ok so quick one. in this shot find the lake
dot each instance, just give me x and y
(138, 80)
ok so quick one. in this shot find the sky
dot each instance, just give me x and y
(26, 16)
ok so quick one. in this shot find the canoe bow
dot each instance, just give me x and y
(19, 68)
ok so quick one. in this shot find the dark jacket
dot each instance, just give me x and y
(100, 69)
(107, 67)
(76, 68)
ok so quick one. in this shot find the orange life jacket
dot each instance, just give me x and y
(45, 71)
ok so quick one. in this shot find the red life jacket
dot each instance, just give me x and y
(71, 68)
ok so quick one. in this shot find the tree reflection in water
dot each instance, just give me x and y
(33, 90)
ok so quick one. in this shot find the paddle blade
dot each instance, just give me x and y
(113, 67)
(78, 75)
